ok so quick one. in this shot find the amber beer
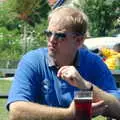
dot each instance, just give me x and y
(83, 102)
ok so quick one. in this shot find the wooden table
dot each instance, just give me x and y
(116, 74)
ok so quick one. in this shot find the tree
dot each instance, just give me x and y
(31, 11)
(102, 14)
(14, 28)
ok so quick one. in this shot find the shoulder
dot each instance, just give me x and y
(34, 57)
(88, 55)
(35, 54)
(96, 69)
(92, 60)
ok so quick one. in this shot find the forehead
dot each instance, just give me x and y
(66, 18)
(60, 22)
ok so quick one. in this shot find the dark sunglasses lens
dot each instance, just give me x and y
(60, 36)
(47, 33)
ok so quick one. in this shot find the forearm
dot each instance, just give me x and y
(113, 105)
(33, 111)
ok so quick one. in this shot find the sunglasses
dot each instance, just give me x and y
(59, 36)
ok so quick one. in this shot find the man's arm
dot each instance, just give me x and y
(113, 105)
(33, 111)
(72, 76)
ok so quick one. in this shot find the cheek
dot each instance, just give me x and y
(67, 48)
(73, 44)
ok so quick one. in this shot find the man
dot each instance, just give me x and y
(46, 79)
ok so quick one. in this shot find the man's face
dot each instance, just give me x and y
(62, 41)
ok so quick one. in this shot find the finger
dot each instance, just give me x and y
(98, 108)
(98, 103)
(99, 111)
(66, 74)
(60, 71)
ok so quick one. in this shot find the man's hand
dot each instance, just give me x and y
(72, 76)
(98, 108)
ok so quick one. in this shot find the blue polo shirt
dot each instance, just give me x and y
(36, 78)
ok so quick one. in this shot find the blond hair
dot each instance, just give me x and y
(70, 18)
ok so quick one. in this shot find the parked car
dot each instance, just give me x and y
(116, 35)
(98, 42)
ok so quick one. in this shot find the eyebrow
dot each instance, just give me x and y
(77, 33)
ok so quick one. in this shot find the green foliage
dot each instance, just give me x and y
(27, 6)
(9, 44)
(33, 37)
(103, 15)
(40, 39)
(31, 11)
(19, 35)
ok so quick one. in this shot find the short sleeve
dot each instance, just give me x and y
(96, 71)
(104, 79)
(24, 86)
(102, 75)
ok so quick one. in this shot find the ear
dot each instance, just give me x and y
(80, 40)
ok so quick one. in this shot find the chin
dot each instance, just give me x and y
(51, 54)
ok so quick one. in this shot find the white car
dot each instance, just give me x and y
(93, 43)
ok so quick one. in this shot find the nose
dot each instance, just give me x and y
(52, 39)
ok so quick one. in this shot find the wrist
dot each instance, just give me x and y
(71, 111)
(69, 114)
(89, 86)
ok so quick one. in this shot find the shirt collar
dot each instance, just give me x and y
(77, 58)
(51, 62)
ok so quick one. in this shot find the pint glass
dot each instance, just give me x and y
(83, 102)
